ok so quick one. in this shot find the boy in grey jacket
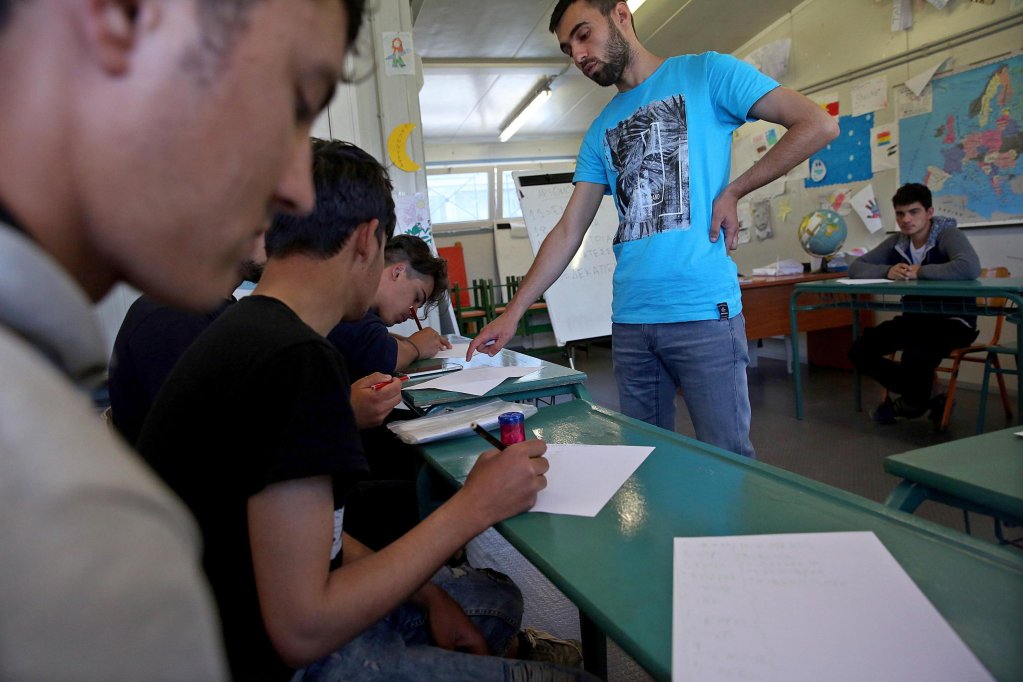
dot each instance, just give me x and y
(927, 247)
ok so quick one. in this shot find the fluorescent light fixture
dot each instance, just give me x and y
(634, 4)
(539, 99)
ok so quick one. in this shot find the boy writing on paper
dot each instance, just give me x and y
(254, 430)
(926, 247)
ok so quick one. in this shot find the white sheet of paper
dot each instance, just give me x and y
(457, 351)
(870, 95)
(850, 280)
(474, 380)
(907, 104)
(810, 606)
(917, 83)
(583, 478)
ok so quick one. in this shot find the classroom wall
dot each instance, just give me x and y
(832, 39)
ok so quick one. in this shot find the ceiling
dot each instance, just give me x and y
(483, 58)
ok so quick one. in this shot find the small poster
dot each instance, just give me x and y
(884, 147)
(828, 103)
(907, 104)
(902, 15)
(867, 208)
(762, 220)
(772, 59)
(870, 95)
(398, 53)
(412, 212)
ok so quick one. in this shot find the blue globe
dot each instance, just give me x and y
(822, 233)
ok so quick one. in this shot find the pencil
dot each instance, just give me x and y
(412, 310)
(482, 432)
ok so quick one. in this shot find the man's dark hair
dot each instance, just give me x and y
(912, 193)
(417, 254)
(605, 7)
(351, 188)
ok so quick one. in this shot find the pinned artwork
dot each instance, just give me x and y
(745, 221)
(397, 147)
(762, 220)
(870, 95)
(884, 147)
(838, 201)
(772, 59)
(784, 209)
(847, 157)
(867, 208)
(818, 171)
(907, 104)
(412, 212)
(398, 53)
(828, 103)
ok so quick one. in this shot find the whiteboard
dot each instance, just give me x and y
(579, 302)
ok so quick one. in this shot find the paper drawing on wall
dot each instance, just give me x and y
(867, 208)
(762, 220)
(818, 170)
(884, 147)
(412, 212)
(398, 53)
(650, 154)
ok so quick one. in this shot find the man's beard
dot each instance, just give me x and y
(618, 56)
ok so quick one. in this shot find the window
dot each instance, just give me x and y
(459, 197)
(509, 197)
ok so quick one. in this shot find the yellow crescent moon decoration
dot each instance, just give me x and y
(397, 147)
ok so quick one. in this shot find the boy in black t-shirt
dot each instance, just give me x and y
(254, 430)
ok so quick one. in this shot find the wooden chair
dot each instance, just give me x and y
(986, 354)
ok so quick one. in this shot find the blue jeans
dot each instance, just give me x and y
(706, 359)
(398, 646)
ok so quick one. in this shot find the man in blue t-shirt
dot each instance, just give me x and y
(662, 148)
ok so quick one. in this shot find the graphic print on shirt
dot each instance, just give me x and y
(650, 153)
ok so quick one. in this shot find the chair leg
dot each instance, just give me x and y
(982, 411)
(946, 414)
(1001, 387)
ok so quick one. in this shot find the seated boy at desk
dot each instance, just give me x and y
(926, 247)
(413, 279)
(253, 429)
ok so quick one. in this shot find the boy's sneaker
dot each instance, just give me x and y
(537, 645)
(890, 410)
(884, 413)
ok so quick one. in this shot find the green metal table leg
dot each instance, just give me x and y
(906, 497)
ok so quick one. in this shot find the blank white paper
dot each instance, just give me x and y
(474, 380)
(850, 280)
(583, 478)
(812, 606)
(457, 351)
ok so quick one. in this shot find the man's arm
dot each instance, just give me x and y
(310, 611)
(809, 129)
(556, 251)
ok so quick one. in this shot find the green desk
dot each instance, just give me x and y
(887, 297)
(617, 567)
(982, 474)
(549, 380)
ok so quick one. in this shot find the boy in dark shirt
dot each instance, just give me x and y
(254, 430)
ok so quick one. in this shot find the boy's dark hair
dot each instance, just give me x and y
(417, 254)
(605, 7)
(351, 188)
(912, 193)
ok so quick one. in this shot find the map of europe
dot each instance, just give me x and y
(968, 149)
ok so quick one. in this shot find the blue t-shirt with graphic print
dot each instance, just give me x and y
(663, 149)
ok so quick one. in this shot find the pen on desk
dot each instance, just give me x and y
(482, 432)
(380, 384)
(412, 312)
